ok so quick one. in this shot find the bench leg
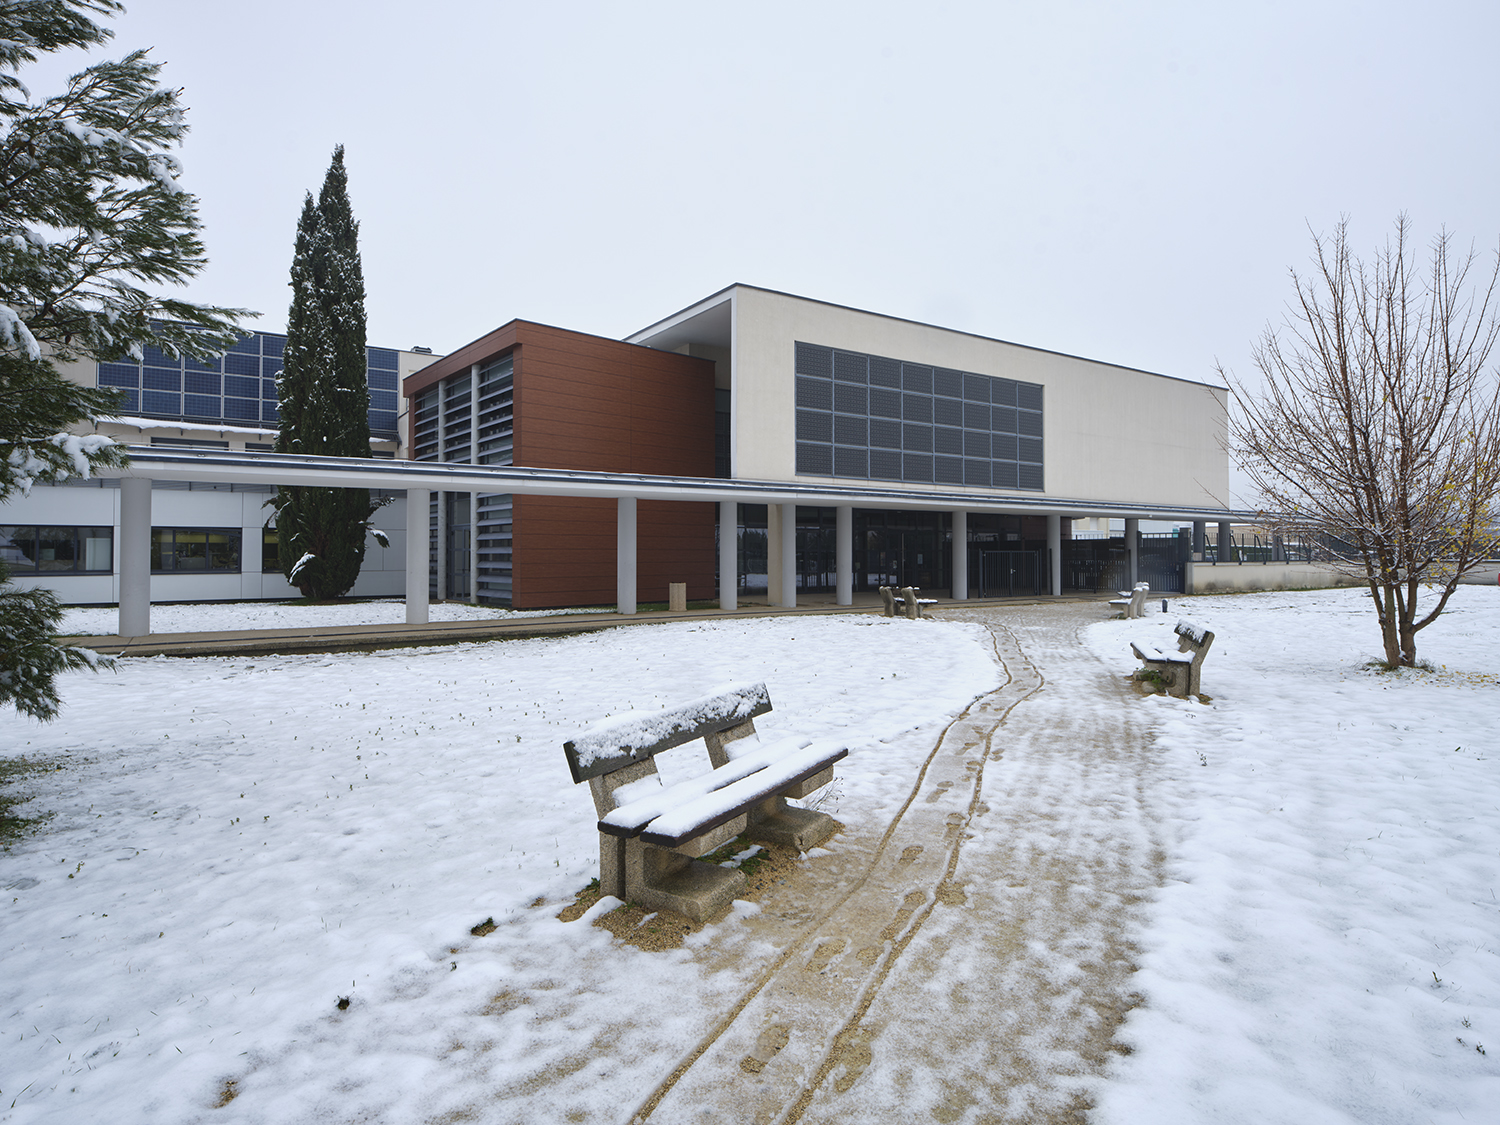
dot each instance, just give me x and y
(774, 821)
(612, 865)
(1170, 678)
(913, 611)
(671, 878)
(658, 879)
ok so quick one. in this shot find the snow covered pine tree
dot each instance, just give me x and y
(89, 207)
(324, 399)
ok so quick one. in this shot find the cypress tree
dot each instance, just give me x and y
(323, 397)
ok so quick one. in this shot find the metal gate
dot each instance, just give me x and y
(1007, 574)
(1160, 562)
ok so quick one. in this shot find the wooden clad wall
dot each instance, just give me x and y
(583, 402)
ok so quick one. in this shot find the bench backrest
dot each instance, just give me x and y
(619, 742)
(1193, 637)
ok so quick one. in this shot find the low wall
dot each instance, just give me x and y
(1209, 578)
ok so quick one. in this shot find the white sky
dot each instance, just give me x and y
(1124, 182)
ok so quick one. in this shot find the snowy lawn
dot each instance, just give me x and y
(251, 839)
(1327, 945)
(234, 844)
(211, 617)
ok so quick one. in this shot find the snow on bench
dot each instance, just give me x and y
(1176, 673)
(650, 835)
(1132, 603)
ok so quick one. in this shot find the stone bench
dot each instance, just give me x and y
(912, 605)
(1175, 673)
(1132, 603)
(651, 834)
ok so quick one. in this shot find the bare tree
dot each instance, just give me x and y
(1376, 434)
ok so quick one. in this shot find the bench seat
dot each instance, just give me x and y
(1161, 656)
(675, 814)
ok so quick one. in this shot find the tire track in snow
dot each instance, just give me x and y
(800, 1020)
(1004, 1007)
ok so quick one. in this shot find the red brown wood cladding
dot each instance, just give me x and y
(585, 402)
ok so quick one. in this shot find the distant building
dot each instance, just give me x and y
(208, 540)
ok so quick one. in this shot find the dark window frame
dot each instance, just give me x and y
(233, 535)
(22, 566)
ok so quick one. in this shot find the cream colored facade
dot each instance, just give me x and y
(1111, 434)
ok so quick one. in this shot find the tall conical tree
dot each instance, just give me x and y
(323, 398)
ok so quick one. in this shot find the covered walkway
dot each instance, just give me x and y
(418, 479)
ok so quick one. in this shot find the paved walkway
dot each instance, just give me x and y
(969, 960)
(351, 638)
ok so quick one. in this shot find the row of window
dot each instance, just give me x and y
(873, 418)
(36, 550)
(240, 387)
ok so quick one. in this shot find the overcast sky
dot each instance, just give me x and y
(1127, 182)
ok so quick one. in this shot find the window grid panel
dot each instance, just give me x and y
(851, 431)
(850, 367)
(253, 362)
(947, 412)
(877, 418)
(814, 360)
(814, 459)
(813, 425)
(946, 381)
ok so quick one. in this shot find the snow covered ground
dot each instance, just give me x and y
(235, 844)
(210, 617)
(1327, 945)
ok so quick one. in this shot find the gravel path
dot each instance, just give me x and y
(976, 966)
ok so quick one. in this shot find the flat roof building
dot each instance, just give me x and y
(905, 438)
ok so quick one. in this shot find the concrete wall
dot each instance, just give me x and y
(1111, 433)
(383, 573)
(1207, 578)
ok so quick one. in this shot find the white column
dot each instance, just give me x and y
(473, 548)
(773, 553)
(135, 557)
(440, 554)
(843, 554)
(729, 554)
(788, 596)
(474, 496)
(1054, 551)
(417, 500)
(625, 580)
(960, 540)
(440, 543)
(1132, 549)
